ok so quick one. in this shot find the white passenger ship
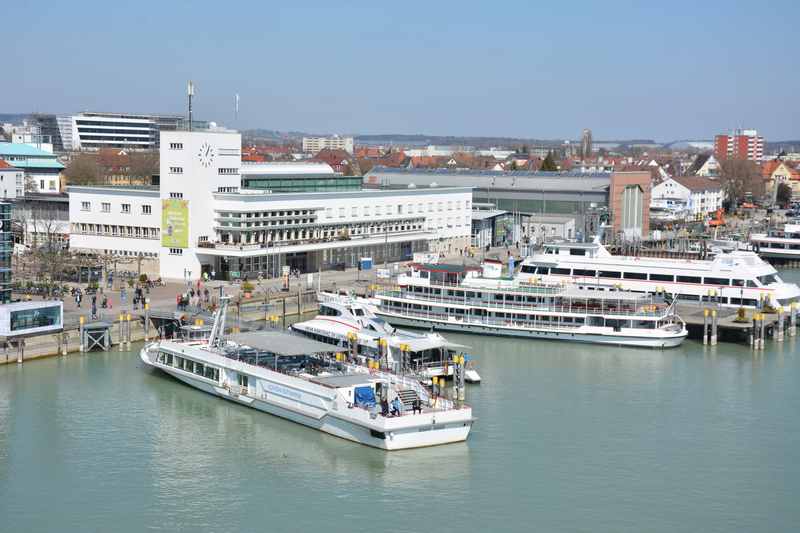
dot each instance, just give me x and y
(301, 380)
(456, 298)
(738, 278)
(351, 323)
(780, 243)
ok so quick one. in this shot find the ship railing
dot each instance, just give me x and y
(642, 307)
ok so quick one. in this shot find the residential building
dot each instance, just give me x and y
(200, 220)
(704, 165)
(313, 145)
(42, 171)
(12, 181)
(741, 144)
(700, 196)
(777, 171)
(94, 130)
(6, 249)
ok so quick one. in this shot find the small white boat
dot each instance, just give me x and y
(312, 384)
(351, 323)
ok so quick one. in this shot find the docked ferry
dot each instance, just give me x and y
(310, 383)
(738, 278)
(480, 300)
(779, 243)
(351, 323)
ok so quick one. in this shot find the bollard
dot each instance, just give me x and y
(128, 330)
(779, 332)
(81, 346)
(753, 332)
(146, 322)
(20, 351)
(705, 326)
(64, 342)
(793, 319)
(121, 344)
(713, 327)
(761, 333)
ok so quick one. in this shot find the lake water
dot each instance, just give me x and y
(568, 438)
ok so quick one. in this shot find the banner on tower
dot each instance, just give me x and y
(175, 223)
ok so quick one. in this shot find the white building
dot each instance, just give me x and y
(200, 221)
(42, 171)
(277, 168)
(698, 194)
(12, 181)
(315, 144)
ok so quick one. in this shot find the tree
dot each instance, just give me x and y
(83, 169)
(783, 195)
(740, 178)
(142, 166)
(549, 164)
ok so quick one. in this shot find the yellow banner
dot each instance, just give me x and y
(175, 223)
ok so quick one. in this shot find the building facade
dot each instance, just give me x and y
(12, 181)
(200, 221)
(6, 249)
(694, 195)
(313, 145)
(741, 144)
(41, 169)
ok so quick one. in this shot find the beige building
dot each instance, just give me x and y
(313, 145)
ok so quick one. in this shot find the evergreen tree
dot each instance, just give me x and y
(549, 163)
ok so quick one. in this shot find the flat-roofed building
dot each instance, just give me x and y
(312, 145)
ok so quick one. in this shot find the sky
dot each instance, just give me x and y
(659, 70)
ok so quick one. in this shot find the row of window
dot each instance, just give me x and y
(644, 276)
(187, 365)
(176, 146)
(402, 209)
(113, 230)
(105, 207)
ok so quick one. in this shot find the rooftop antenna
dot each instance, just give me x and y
(190, 93)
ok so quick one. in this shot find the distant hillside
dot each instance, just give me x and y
(13, 118)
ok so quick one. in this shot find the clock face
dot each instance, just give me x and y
(206, 155)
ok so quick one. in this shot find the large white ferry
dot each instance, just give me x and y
(466, 299)
(779, 243)
(351, 323)
(308, 382)
(738, 278)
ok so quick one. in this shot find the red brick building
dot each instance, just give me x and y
(742, 144)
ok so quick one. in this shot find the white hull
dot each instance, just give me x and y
(653, 339)
(324, 411)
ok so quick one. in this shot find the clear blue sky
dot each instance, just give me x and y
(662, 70)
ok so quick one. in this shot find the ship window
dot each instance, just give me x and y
(769, 278)
(577, 251)
(717, 281)
(751, 283)
(212, 373)
(528, 269)
(635, 275)
(748, 301)
(560, 271)
(689, 279)
(738, 282)
(662, 277)
(199, 369)
(610, 274)
(543, 270)
(581, 272)
(243, 381)
(692, 297)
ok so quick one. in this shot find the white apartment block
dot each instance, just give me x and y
(699, 195)
(315, 144)
(199, 221)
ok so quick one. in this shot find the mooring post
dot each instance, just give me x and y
(793, 319)
(763, 331)
(713, 327)
(753, 332)
(284, 312)
(20, 351)
(705, 326)
(779, 333)
(121, 344)
(128, 330)
(64, 342)
(146, 321)
(81, 340)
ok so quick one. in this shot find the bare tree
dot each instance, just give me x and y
(83, 169)
(142, 166)
(740, 178)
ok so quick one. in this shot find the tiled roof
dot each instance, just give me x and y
(698, 183)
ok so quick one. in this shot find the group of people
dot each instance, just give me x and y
(193, 297)
(396, 407)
